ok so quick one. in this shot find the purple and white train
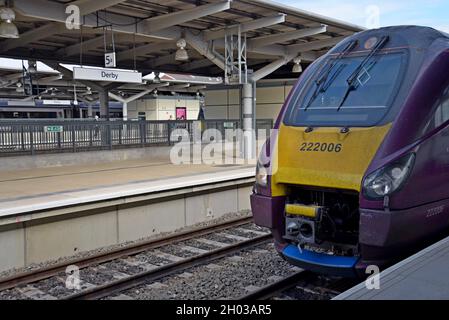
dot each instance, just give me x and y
(357, 173)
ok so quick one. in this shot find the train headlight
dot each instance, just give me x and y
(389, 179)
(261, 175)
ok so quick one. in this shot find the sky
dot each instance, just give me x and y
(379, 13)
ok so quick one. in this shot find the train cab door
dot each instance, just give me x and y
(440, 119)
(435, 152)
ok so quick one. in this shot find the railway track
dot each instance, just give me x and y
(129, 267)
(113, 274)
(167, 270)
(301, 282)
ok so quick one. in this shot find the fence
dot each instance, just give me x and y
(53, 136)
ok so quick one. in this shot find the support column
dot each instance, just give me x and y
(125, 111)
(249, 138)
(104, 104)
(90, 113)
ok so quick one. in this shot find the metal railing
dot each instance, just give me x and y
(54, 136)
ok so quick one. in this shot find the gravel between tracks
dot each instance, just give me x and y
(36, 266)
(227, 278)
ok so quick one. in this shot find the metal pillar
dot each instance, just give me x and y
(249, 137)
(104, 104)
(125, 111)
(90, 110)
(236, 67)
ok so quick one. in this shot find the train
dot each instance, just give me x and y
(53, 109)
(356, 172)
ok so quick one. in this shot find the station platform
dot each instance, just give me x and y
(50, 213)
(37, 189)
(423, 276)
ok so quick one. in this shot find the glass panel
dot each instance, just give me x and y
(366, 104)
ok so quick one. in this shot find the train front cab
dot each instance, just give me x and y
(357, 177)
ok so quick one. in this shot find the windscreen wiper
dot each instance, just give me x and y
(322, 79)
(353, 77)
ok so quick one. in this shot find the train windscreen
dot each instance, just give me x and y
(350, 91)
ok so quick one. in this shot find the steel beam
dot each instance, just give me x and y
(273, 50)
(166, 59)
(179, 17)
(89, 6)
(178, 86)
(55, 12)
(50, 79)
(283, 37)
(142, 50)
(12, 76)
(205, 49)
(149, 28)
(132, 98)
(76, 48)
(314, 45)
(246, 26)
(198, 64)
(33, 35)
(270, 68)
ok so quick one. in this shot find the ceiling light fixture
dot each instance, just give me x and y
(7, 28)
(181, 54)
(297, 68)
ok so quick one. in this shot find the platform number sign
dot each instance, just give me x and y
(109, 60)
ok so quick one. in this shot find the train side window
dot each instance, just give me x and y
(441, 113)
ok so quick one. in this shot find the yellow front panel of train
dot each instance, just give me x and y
(325, 157)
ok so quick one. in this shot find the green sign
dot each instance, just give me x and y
(228, 125)
(53, 129)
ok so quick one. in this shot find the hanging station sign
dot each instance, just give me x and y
(108, 75)
(109, 60)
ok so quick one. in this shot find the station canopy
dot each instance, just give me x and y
(211, 38)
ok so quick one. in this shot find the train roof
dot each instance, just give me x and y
(400, 36)
(410, 32)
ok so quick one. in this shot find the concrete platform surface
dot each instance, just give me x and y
(423, 276)
(50, 213)
(39, 189)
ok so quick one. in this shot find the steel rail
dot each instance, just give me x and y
(277, 287)
(272, 290)
(121, 285)
(53, 270)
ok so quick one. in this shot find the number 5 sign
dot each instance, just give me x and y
(109, 60)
